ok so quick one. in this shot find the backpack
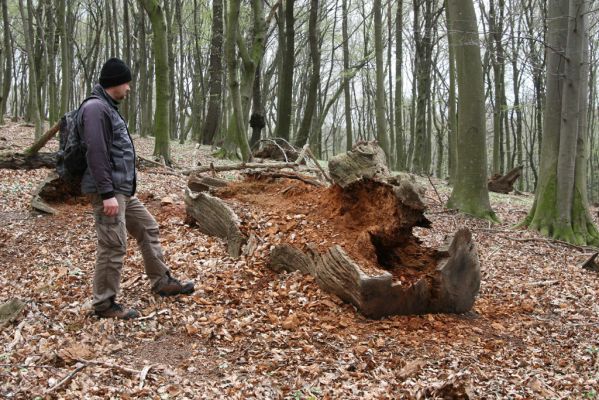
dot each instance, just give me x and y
(72, 160)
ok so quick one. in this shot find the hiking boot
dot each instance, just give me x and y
(173, 287)
(118, 311)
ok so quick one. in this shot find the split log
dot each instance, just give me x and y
(28, 162)
(356, 241)
(504, 183)
(215, 218)
(354, 237)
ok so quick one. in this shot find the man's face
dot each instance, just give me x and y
(119, 92)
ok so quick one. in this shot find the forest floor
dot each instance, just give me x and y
(248, 332)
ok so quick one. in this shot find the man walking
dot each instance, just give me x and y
(110, 180)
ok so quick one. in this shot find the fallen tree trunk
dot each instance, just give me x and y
(356, 240)
(504, 183)
(28, 162)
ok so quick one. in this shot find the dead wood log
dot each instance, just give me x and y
(365, 160)
(214, 217)
(356, 241)
(28, 162)
(199, 183)
(450, 288)
(355, 237)
(504, 183)
(53, 189)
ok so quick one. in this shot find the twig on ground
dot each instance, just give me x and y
(434, 188)
(66, 379)
(327, 177)
(163, 165)
(143, 374)
(554, 241)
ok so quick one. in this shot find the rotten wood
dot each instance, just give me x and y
(214, 217)
(504, 183)
(371, 258)
(28, 162)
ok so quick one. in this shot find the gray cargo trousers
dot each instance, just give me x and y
(112, 246)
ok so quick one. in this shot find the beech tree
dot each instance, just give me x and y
(470, 194)
(560, 209)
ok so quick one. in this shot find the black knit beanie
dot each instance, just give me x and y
(114, 72)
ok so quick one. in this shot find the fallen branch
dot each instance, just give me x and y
(143, 374)
(155, 163)
(327, 177)
(551, 241)
(288, 176)
(66, 379)
(41, 142)
(237, 167)
(435, 189)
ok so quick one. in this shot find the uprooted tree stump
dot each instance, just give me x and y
(504, 183)
(355, 238)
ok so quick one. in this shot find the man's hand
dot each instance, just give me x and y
(111, 207)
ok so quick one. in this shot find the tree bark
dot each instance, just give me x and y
(161, 122)
(215, 69)
(470, 194)
(8, 58)
(313, 34)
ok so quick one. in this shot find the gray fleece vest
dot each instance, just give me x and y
(122, 152)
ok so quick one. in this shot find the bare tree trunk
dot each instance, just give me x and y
(8, 58)
(33, 85)
(313, 33)
(161, 124)
(470, 193)
(215, 68)
(381, 121)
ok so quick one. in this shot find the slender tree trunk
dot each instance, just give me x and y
(346, 88)
(452, 123)
(8, 58)
(215, 68)
(284, 109)
(381, 121)
(34, 109)
(161, 121)
(400, 141)
(313, 34)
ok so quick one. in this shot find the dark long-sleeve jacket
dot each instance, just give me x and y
(110, 150)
